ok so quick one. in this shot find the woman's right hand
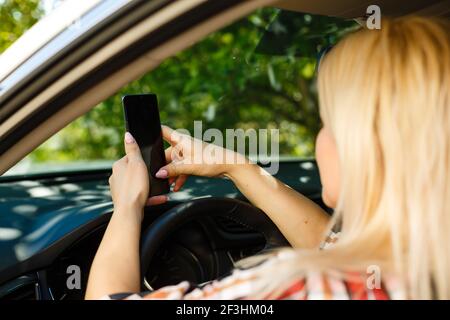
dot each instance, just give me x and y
(190, 156)
(293, 213)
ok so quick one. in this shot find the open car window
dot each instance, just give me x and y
(257, 73)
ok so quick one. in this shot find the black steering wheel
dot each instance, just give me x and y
(239, 211)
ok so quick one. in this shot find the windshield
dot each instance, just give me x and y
(257, 73)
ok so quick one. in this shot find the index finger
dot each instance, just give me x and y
(170, 135)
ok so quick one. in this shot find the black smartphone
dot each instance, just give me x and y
(142, 121)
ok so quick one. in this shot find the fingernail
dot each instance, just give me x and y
(129, 138)
(161, 174)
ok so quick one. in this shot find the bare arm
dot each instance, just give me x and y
(301, 221)
(116, 266)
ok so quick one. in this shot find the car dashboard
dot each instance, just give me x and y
(51, 226)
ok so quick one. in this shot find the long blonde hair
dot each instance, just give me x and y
(384, 94)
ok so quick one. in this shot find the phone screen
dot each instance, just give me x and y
(142, 121)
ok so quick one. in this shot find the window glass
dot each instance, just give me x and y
(258, 73)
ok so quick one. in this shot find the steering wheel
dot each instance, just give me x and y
(239, 211)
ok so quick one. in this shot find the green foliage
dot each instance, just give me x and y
(234, 78)
(16, 16)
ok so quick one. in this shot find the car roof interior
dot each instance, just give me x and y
(357, 8)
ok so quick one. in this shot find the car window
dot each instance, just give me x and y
(257, 73)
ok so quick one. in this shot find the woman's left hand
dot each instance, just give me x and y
(129, 182)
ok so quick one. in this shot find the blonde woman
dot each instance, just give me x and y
(384, 160)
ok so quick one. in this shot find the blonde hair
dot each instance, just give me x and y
(384, 94)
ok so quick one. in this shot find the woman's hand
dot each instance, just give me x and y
(189, 156)
(129, 182)
(293, 213)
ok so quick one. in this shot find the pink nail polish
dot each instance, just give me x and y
(162, 174)
(129, 138)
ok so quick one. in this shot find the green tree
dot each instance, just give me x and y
(17, 16)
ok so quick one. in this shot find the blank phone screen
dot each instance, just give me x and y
(142, 121)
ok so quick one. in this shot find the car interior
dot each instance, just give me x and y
(53, 212)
